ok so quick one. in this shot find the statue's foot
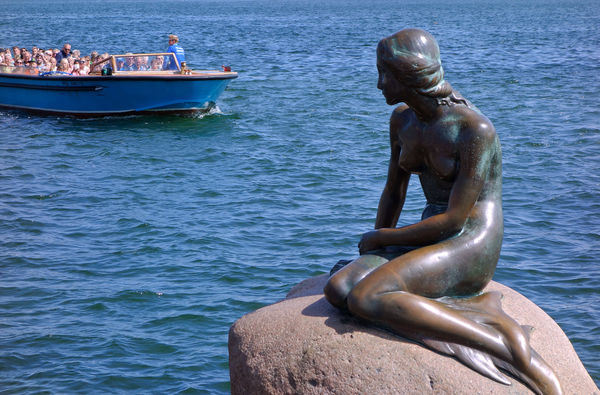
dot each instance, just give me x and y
(539, 376)
(521, 360)
(486, 309)
(544, 377)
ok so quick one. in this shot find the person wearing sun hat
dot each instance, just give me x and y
(175, 48)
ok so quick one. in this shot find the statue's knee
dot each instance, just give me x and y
(336, 291)
(361, 301)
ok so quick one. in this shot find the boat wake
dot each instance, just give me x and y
(201, 114)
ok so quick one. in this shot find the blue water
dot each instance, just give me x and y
(128, 246)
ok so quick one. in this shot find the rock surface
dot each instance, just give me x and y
(303, 345)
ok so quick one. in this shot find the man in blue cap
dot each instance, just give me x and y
(175, 48)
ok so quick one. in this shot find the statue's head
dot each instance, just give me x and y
(413, 56)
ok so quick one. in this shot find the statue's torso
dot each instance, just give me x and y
(433, 151)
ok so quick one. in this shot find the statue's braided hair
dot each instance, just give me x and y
(413, 55)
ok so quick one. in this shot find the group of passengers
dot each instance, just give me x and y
(140, 63)
(63, 60)
(71, 62)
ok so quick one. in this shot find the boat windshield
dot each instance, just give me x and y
(145, 62)
(139, 62)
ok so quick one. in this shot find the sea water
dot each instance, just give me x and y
(129, 246)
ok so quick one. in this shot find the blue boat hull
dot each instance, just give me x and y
(110, 95)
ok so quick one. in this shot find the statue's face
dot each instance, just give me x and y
(391, 88)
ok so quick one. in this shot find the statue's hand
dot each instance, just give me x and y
(370, 241)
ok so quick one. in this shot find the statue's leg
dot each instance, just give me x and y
(342, 281)
(413, 316)
(346, 274)
(390, 296)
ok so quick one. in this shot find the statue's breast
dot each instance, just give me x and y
(445, 165)
(436, 157)
(411, 159)
(440, 148)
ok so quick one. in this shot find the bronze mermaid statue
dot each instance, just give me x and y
(424, 280)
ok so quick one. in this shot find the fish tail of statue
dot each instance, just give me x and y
(541, 379)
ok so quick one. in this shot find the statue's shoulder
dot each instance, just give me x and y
(402, 111)
(401, 116)
(475, 121)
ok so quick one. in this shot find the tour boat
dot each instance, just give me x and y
(117, 85)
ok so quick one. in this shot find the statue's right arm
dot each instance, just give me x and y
(394, 192)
